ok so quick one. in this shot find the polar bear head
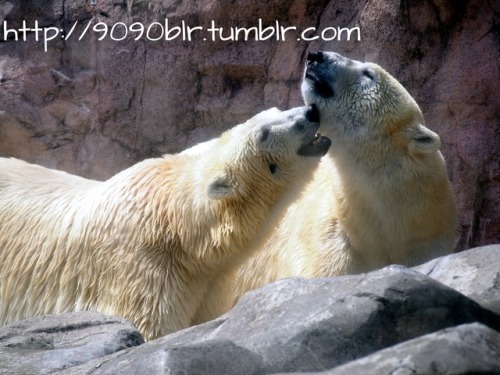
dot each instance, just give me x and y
(263, 155)
(364, 109)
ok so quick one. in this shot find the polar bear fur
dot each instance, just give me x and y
(143, 244)
(381, 195)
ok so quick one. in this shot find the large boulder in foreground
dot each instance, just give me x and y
(299, 325)
(394, 320)
(475, 273)
(466, 349)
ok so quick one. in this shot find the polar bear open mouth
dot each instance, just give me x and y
(318, 83)
(318, 146)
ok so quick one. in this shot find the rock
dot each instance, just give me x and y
(94, 107)
(395, 320)
(474, 273)
(43, 345)
(466, 349)
(298, 325)
(211, 357)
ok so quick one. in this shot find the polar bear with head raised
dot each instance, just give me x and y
(380, 196)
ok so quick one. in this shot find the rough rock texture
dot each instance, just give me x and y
(466, 349)
(95, 107)
(306, 325)
(474, 273)
(352, 317)
(395, 320)
(44, 345)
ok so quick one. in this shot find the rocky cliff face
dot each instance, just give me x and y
(93, 107)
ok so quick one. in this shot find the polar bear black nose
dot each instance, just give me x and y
(316, 56)
(312, 114)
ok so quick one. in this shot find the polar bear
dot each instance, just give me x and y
(380, 196)
(143, 244)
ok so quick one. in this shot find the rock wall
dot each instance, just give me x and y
(93, 107)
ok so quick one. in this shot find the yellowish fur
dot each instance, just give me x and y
(143, 244)
(380, 196)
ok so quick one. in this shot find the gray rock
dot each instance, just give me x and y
(466, 349)
(45, 344)
(305, 325)
(211, 357)
(475, 273)
(395, 320)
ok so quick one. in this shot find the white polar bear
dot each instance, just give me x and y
(144, 244)
(380, 196)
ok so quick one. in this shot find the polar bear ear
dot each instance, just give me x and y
(220, 188)
(424, 140)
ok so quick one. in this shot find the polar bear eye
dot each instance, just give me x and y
(368, 73)
(263, 134)
(272, 168)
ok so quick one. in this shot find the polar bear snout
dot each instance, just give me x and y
(312, 113)
(317, 75)
(316, 56)
(307, 123)
(320, 57)
(313, 143)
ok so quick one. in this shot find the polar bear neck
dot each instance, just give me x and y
(162, 200)
(373, 207)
